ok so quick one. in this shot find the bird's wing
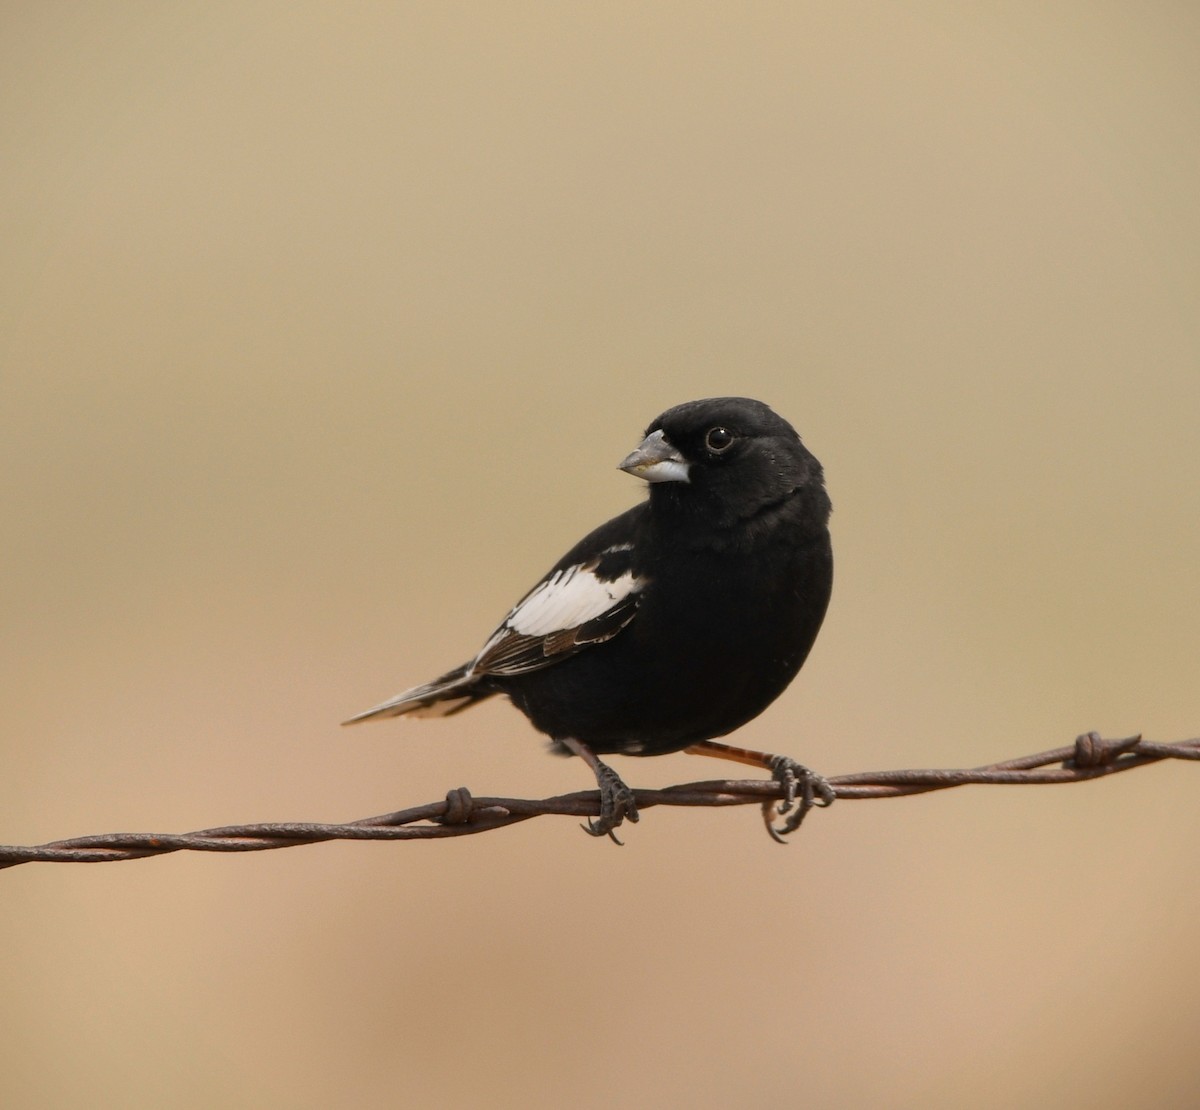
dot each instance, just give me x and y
(575, 606)
(588, 597)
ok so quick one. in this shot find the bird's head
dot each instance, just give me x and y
(725, 459)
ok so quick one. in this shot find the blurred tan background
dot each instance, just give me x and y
(322, 330)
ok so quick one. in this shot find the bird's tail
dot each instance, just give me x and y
(452, 693)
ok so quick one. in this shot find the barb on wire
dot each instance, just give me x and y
(461, 814)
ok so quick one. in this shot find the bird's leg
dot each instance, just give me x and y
(802, 788)
(616, 799)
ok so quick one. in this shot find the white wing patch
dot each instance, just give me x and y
(567, 599)
(571, 609)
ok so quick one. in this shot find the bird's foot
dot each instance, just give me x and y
(617, 803)
(802, 790)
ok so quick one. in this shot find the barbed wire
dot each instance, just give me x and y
(462, 814)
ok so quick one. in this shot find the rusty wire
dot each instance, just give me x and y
(461, 814)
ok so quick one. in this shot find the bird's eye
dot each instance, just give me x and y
(718, 439)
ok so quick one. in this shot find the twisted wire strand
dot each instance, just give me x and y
(462, 814)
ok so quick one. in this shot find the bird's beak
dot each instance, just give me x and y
(656, 460)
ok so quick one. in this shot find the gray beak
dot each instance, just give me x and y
(656, 461)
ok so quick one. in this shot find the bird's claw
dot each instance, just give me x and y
(617, 804)
(802, 790)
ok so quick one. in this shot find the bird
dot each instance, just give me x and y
(677, 621)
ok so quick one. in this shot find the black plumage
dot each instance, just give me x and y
(680, 619)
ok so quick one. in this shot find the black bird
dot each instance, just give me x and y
(677, 621)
